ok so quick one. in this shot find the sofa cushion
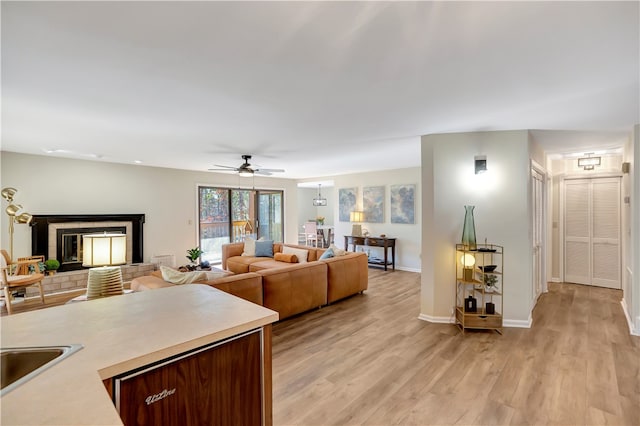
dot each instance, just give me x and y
(301, 254)
(264, 248)
(266, 263)
(250, 246)
(328, 253)
(288, 258)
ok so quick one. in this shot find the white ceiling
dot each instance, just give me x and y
(316, 88)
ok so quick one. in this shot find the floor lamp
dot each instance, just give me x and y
(12, 211)
(104, 253)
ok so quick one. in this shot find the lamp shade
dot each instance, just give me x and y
(104, 249)
(468, 260)
(8, 193)
(24, 218)
(356, 216)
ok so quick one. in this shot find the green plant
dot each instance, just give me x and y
(491, 280)
(51, 264)
(193, 254)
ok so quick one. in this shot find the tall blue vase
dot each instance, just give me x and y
(469, 229)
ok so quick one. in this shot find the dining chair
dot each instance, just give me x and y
(311, 234)
(18, 274)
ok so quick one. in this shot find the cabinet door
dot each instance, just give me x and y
(217, 386)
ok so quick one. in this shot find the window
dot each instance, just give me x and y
(228, 215)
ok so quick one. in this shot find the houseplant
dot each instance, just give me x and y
(320, 220)
(490, 282)
(51, 266)
(193, 254)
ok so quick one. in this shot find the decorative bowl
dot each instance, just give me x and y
(488, 268)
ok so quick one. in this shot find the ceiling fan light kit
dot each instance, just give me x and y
(245, 169)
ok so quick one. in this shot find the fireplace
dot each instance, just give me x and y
(60, 236)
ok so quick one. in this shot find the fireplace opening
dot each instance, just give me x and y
(69, 243)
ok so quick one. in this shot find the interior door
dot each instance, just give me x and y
(537, 216)
(592, 232)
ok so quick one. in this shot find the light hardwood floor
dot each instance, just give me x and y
(369, 360)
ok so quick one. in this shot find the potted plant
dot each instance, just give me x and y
(51, 265)
(193, 254)
(320, 220)
(490, 282)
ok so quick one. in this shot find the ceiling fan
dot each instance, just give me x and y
(245, 169)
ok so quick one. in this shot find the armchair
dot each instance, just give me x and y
(18, 275)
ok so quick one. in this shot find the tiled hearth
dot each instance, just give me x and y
(76, 280)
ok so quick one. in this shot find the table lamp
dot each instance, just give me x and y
(356, 217)
(104, 253)
(468, 260)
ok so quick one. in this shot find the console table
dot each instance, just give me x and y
(383, 242)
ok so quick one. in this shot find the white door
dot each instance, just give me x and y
(592, 232)
(537, 216)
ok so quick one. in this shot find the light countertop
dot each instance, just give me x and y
(119, 333)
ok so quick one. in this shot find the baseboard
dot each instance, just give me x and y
(632, 330)
(403, 268)
(555, 280)
(437, 320)
(517, 323)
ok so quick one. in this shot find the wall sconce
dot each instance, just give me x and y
(480, 163)
(626, 167)
(12, 211)
(356, 217)
(588, 162)
(319, 201)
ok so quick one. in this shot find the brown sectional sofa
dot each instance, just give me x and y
(288, 288)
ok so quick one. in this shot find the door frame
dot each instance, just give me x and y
(561, 213)
(544, 229)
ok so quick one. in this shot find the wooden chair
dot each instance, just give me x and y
(18, 275)
(311, 234)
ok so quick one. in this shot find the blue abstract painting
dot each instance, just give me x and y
(403, 203)
(373, 204)
(346, 202)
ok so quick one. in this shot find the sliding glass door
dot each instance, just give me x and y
(229, 215)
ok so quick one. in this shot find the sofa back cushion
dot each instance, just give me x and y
(301, 254)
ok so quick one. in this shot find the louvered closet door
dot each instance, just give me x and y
(606, 232)
(592, 232)
(577, 234)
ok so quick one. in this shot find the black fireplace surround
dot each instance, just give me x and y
(40, 233)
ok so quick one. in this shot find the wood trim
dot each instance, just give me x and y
(267, 375)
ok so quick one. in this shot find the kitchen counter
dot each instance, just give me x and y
(119, 333)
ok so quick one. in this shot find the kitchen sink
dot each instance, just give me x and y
(18, 365)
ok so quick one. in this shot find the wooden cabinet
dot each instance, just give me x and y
(222, 383)
(479, 287)
(382, 242)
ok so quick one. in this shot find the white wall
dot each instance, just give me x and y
(502, 215)
(631, 233)
(168, 197)
(306, 209)
(408, 243)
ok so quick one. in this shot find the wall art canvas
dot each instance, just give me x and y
(346, 203)
(373, 204)
(403, 203)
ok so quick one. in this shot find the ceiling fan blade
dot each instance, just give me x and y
(225, 167)
(262, 172)
(223, 170)
(270, 170)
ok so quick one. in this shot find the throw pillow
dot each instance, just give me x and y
(177, 277)
(337, 251)
(250, 246)
(328, 254)
(264, 248)
(289, 258)
(301, 254)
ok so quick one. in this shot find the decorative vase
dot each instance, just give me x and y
(469, 229)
